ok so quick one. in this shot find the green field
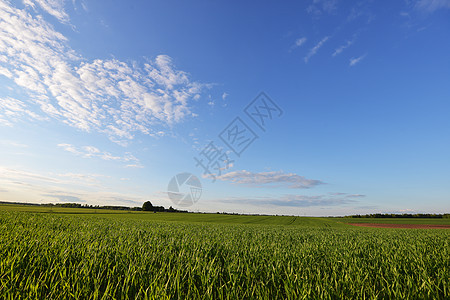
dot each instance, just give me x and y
(65, 253)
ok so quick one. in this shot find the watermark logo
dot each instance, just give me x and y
(184, 189)
(238, 136)
(213, 160)
(262, 109)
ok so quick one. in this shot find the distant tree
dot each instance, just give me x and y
(147, 206)
(158, 208)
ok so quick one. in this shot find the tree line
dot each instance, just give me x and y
(407, 216)
(147, 206)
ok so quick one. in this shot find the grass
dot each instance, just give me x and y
(113, 255)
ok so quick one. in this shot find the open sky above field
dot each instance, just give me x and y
(105, 103)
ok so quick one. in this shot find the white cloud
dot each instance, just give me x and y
(269, 179)
(224, 96)
(314, 50)
(52, 7)
(318, 7)
(85, 7)
(5, 72)
(355, 60)
(343, 47)
(290, 200)
(363, 11)
(93, 152)
(106, 95)
(13, 144)
(211, 101)
(405, 14)
(299, 42)
(80, 177)
(134, 166)
(65, 198)
(12, 110)
(432, 5)
(70, 148)
(14, 174)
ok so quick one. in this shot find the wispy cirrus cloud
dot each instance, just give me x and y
(110, 96)
(342, 47)
(11, 174)
(52, 7)
(65, 198)
(355, 60)
(12, 110)
(430, 6)
(314, 49)
(15, 144)
(100, 198)
(347, 195)
(291, 200)
(269, 179)
(355, 196)
(28, 177)
(319, 7)
(82, 177)
(93, 152)
(299, 42)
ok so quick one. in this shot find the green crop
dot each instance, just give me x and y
(81, 256)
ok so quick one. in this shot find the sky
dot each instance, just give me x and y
(315, 108)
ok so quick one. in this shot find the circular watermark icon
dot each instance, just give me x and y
(184, 189)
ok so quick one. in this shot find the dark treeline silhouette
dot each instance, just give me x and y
(147, 206)
(406, 216)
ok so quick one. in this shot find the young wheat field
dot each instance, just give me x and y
(62, 255)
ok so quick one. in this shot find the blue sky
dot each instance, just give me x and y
(104, 104)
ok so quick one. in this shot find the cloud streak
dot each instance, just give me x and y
(65, 198)
(13, 110)
(93, 152)
(269, 179)
(316, 48)
(430, 6)
(299, 42)
(290, 200)
(318, 7)
(342, 48)
(355, 60)
(52, 7)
